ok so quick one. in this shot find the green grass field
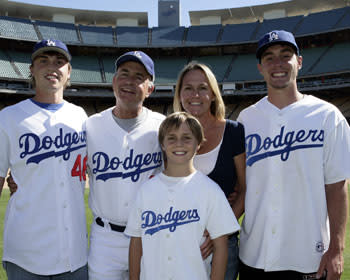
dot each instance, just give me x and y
(5, 197)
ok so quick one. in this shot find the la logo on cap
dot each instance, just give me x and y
(50, 43)
(273, 36)
(136, 53)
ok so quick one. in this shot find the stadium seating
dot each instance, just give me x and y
(6, 69)
(310, 58)
(109, 67)
(244, 69)
(287, 23)
(336, 59)
(85, 70)
(202, 35)
(167, 69)
(22, 61)
(66, 32)
(238, 33)
(17, 28)
(97, 36)
(218, 64)
(344, 21)
(132, 36)
(320, 22)
(167, 36)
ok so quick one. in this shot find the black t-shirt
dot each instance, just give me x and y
(233, 144)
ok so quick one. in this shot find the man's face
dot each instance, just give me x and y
(131, 85)
(51, 71)
(279, 66)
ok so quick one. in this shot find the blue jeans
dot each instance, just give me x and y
(232, 260)
(15, 272)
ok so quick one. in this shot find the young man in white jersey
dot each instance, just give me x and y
(298, 160)
(43, 143)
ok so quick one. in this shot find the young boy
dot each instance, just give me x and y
(173, 209)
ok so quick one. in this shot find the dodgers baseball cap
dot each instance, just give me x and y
(276, 37)
(137, 56)
(51, 45)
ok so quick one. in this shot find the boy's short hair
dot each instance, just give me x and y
(175, 120)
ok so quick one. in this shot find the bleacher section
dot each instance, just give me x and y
(65, 32)
(218, 64)
(85, 70)
(22, 61)
(6, 69)
(244, 69)
(132, 36)
(168, 68)
(202, 35)
(167, 36)
(17, 28)
(337, 59)
(287, 23)
(310, 58)
(97, 36)
(238, 33)
(109, 67)
(320, 22)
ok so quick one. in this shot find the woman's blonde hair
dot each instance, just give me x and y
(217, 107)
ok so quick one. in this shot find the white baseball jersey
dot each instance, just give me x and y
(119, 162)
(291, 154)
(170, 215)
(45, 223)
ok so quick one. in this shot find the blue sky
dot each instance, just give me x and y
(150, 6)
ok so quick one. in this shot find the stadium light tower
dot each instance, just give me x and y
(168, 13)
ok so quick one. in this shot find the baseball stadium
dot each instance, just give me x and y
(224, 39)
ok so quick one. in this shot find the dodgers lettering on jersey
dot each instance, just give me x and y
(171, 220)
(282, 144)
(40, 148)
(132, 166)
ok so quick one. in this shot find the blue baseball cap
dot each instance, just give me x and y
(276, 37)
(137, 56)
(50, 45)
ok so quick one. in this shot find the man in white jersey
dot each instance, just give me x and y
(298, 159)
(123, 152)
(43, 143)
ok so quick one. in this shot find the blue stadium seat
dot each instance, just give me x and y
(167, 69)
(320, 22)
(336, 59)
(132, 36)
(109, 67)
(239, 33)
(6, 69)
(86, 69)
(167, 36)
(65, 32)
(287, 23)
(17, 28)
(202, 35)
(97, 36)
(218, 64)
(310, 57)
(345, 20)
(244, 69)
(22, 61)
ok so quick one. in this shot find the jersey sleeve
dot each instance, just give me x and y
(337, 153)
(133, 227)
(4, 153)
(219, 207)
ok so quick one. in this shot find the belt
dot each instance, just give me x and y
(113, 226)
